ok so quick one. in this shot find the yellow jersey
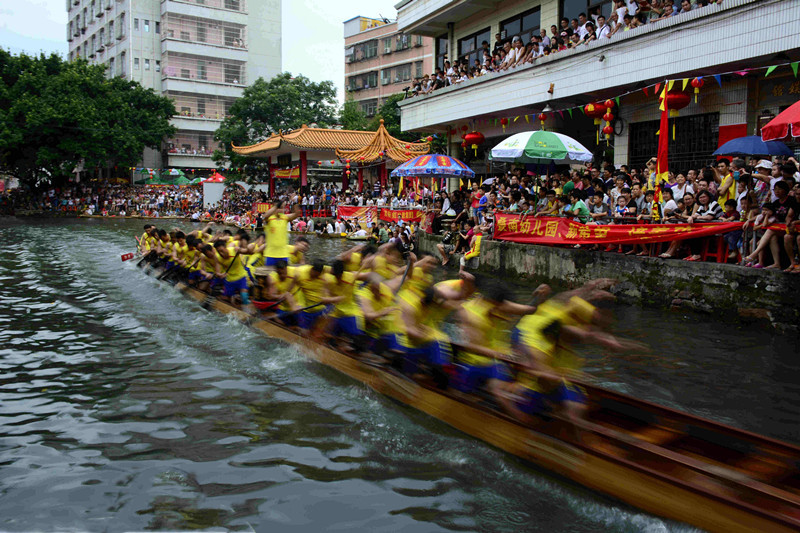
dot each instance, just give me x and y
(479, 310)
(313, 289)
(277, 232)
(283, 285)
(343, 287)
(387, 323)
(232, 264)
(382, 267)
(296, 257)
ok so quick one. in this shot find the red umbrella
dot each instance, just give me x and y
(785, 123)
(216, 177)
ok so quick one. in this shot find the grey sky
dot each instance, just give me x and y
(313, 42)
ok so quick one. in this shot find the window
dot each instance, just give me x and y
(232, 73)
(158, 66)
(418, 69)
(111, 67)
(386, 76)
(110, 31)
(201, 108)
(418, 40)
(524, 25)
(185, 36)
(123, 71)
(201, 70)
(442, 44)
(135, 63)
(232, 4)
(147, 25)
(351, 83)
(387, 45)
(404, 72)
(147, 64)
(231, 36)
(135, 24)
(402, 42)
(121, 27)
(158, 27)
(201, 32)
(94, 45)
(202, 140)
(185, 73)
(369, 107)
(370, 49)
(468, 47)
(102, 38)
(697, 138)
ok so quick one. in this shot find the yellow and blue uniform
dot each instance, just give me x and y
(474, 370)
(415, 284)
(281, 286)
(435, 347)
(346, 314)
(541, 331)
(382, 267)
(254, 260)
(235, 277)
(277, 232)
(312, 290)
(354, 262)
(296, 257)
(383, 330)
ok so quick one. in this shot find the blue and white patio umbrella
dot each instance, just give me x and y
(433, 165)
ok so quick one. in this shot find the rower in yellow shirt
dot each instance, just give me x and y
(230, 267)
(346, 315)
(276, 227)
(311, 281)
(298, 250)
(381, 314)
(282, 287)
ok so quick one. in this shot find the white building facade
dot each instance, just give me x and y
(200, 53)
(734, 40)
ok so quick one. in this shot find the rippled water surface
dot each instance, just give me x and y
(124, 405)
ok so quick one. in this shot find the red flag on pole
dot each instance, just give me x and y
(662, 161)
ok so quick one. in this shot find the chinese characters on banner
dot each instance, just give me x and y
(549, 230)
(359, 215)
(394, 215)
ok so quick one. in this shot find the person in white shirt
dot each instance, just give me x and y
(310, 225)
(603, 30)
(545, 39)
(329, 228)
(339, 228)
(510, 56)
(582, 31)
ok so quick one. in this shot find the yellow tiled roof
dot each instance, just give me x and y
(358, 146)
(310, 138)
(384, 144)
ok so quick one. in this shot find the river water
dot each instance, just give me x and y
(125, 406)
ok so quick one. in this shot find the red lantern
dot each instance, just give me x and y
(610, 104)
(595, 111)
(697, 83)
(333, 162)
(453, 131)
(429, 138)
(408, 153)
(504, 123)
(362, 157)
(319, 162)
(347, 161)
(408, 146)
(474, 139)
(463, 135)
(348, 164)
(676, 101)
(608, 117)
(608, 130)
(347, 172)
(464, 127)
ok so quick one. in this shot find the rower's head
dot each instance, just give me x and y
(468, 284)
(281, 267)
(227, 233)
(428, 296)
(191, 242)
(317, 268)
(244, 238)
(338, 268)
(221, 246)
(302, 244)
(207, 250)
(180, 237)
(496, 293)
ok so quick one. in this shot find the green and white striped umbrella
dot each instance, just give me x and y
(541, 147)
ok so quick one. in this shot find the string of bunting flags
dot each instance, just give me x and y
(697, 83)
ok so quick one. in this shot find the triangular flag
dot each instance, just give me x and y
(670, 83)
(718, 77)
(495, 122)
(561, 112)
(658, 86)
(617, 100)
(658, 132)
(583, 109)
(794, 67)
(770, 70)
(570, 112)
(400, 187)
(527, 118)
(516, 118)
(644, 90)
(741, 72)
(685, 83)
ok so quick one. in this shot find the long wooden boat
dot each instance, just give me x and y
(663, 461)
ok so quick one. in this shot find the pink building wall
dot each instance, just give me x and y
(360, 68)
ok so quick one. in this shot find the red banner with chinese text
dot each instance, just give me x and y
(359, 215)
(549, 230)
(261, 207)
(394, 215)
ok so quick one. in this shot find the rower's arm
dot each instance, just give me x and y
(294, 214)
(414, 330)
(347, 254)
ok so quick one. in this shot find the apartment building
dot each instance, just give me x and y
(200, 53)
(728, 44)
(381, 61)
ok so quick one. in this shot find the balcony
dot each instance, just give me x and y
(175, 83)
(203, 49)
(609, 67)
(197, 123)
(430, 17)
(206, 9)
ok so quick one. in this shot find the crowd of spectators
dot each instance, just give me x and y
(511, 51)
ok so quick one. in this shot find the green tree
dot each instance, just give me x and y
(266, 107)
(55, 115)
(352, 117)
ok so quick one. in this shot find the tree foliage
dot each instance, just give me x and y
(352, 117)
(55, 115)
(266, 107)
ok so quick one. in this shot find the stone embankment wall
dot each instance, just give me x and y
(728, 291)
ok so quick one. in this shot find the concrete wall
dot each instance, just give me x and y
(727, 291)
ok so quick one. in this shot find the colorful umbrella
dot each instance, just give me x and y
(541, 147)
(753, 145)
(196, 181)
(785, 123)
(175, 172)
(216, 177)
(433, 165)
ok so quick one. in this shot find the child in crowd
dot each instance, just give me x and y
(733, 238)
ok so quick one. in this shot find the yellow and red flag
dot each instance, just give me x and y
(662, 160)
